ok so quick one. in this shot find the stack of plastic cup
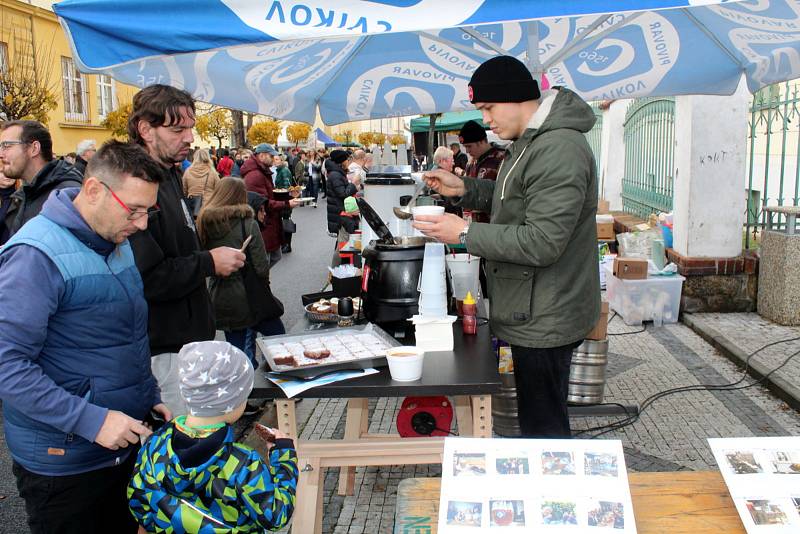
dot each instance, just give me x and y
(432, 284)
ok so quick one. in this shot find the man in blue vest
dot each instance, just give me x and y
(75, 377)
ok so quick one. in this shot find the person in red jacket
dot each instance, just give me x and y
(225, 165)
(258, 179)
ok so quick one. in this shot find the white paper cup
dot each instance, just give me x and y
(405, 363)
(425, 210)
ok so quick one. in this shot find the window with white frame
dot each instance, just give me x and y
(3, 57)
(106, 95)
(3, 69)
(74, 91)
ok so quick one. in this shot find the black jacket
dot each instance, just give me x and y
(338, 188)
(9, 203)
(81, 164)
(460, 160)
(174, 270)
(57, 174)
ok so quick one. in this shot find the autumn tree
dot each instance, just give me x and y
(266, 131)
(216, 123)
(298, 132)
(366, 138)
(27, 92)
(117, 121)
(345, 137)
(379, 138)
(397, 139)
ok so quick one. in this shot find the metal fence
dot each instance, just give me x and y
(773, 154)
(594, 136)
(649, 135)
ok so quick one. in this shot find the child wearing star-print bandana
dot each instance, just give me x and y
(191, 476)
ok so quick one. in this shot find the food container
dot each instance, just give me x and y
(307, 369)
(656, 299)
(434, 334)
(405, 363)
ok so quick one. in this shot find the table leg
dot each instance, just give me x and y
(287, 421)
(356, 425)
(307, 517)
(463, 415)
(482, 416)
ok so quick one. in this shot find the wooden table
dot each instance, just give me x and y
(680, 502)
(468, 373)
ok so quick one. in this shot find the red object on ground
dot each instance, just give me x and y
(424, 416)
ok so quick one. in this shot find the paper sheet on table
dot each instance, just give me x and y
(292, 386)
(761, 475)
(534, 485)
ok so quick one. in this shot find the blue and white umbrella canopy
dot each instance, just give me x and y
(358, 60)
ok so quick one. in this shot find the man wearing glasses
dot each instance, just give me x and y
(173, 265)
(26, 153)
(75, 377)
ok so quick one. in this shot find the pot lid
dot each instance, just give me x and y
(375, 222)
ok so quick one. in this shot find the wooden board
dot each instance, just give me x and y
(681, 502)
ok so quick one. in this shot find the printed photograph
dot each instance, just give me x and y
(469, 464)
(464, 514)
(607, 514)
(785, 462)
(516, 465)
(743, 462)
(506, 514)
(559, 513)
(765, 512)
(600, 464)
(558, 463)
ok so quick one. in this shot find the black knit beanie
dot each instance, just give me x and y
(502, 79)
(471, 132)
(340, 156)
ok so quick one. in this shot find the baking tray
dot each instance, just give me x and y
(324, 367)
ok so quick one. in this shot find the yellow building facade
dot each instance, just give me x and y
(83, 100)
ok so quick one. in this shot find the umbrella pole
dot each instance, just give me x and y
(533, 62)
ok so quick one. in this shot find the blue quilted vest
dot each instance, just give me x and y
(96, 347)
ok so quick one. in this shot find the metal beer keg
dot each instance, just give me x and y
(587, 375)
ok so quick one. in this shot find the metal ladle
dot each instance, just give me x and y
(404, 212)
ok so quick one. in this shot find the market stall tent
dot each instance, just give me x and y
(447, 122)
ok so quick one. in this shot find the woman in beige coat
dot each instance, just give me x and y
(200, 179)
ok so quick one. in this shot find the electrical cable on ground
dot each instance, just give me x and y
(733, 386)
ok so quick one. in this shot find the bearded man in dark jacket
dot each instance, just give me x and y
(168, 253)
(26, 149)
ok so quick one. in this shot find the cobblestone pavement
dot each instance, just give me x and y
(740, 335)
(670, 435)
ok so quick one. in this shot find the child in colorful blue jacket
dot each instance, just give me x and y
(191, 476)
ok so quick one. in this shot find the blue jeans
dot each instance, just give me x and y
(245, 339)
(311, 188)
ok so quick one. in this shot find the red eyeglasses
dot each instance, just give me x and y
(132, 215)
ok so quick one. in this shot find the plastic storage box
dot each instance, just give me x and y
(656, 299)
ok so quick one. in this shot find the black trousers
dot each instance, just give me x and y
(88, 503)
(542, 378)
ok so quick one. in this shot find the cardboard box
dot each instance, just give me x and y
(600, 330)
(603, 206)
(630, 268)
(605, 231)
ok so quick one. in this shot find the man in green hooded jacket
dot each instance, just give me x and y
(540, 244)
